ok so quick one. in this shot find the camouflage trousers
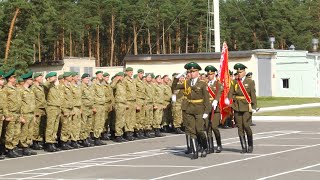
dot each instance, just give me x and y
(148, 116)
(157, 116)
(140, 115)
(26, 134)
(121, 110)
(13, 129)
(75, 124)
(177, 115)
(66, 119)
(86, 122)
(39, 124)
(98, 120)
(107, 119)
(167, 114)
(53, 119)
(130, 117)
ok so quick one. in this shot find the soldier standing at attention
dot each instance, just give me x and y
(108, 106)
(2, 103)
(167, 111)
(40, 111)
(54, 97)
(141, 102)
(243, 93)
(121, 107)
(11, 111)
(99, 108)
(249, 76)
(150, 95)
(28, 107)
(159, 105)
(215, 90)
(75, 124)
(197, 109)
(87, 110)
(177, 99)
(131, 95)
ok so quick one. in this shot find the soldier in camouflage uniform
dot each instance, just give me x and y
(177, 99)
(150, 94)
(2, 103)
(99, 108)
(40, 111)
(108, 106)
(75, 123)
(11, 111)
(131, 96)
(87, 95)
(159, 105)
(53, 97)
(28, 107)
(141, 102)
(167, 111)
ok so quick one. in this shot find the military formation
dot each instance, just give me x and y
(68, 111)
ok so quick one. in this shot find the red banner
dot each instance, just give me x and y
(225, 79)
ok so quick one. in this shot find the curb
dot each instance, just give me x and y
(281, 108)
(286, 118)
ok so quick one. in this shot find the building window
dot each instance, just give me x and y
(75, 69)
(88, 70)
(285, 83)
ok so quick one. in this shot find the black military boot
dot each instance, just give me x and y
(141, 134)
(2, 157)
(157, 133)
(188, 140)
(243, 144)
(16, 152)
(55, 147)
(105, 136)
(11, 154)
(75, 145)
(250, 143)
(120, 139)
(210, 145)
(165, 129)
(194, 145)
(204, 146)
(64, 146)
(129, 136)
(219, 146)
(36, 145)
(27, 152)
(50, 148)
(178, 131)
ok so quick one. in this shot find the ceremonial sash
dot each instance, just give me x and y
(211, 92)
(245, 93)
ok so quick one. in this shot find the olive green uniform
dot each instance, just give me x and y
(141, 102)
(87, 96)
(11, 111)
(121, 108)
(2, 104)
(159, 103)
(150, 95)
(217, 89)
(75, 124)
(67, 112)
(176, 108)
(167, 111)
(108, 106)
(40, 113)
(54, 97)
(99, 105)
(131, 96)
(28, 107)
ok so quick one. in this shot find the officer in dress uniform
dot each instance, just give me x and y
(215, 90)
(243, 93)
(197, 109)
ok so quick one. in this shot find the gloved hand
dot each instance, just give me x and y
(227, 101)
(204, 116)
(174, 98)
(214, 104)
(181, 74)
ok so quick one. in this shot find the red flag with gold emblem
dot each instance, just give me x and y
(225, 79)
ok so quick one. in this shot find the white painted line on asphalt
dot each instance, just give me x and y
(288, 172)
(298, 138)
(149, 166)
(235, 161)
(309, 170)
(283, 145)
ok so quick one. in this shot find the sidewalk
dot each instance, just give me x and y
(256, 116)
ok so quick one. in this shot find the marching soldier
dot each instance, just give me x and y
(2, 104)
(141, 102)
(28, 107)
(11, 111)
(167, 112)
(197, 109)
(40, 111)
(243, 93)
(131, 96)
(215, 90)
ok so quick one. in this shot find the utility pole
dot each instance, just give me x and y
(213, 27)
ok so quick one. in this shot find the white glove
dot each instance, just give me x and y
(214, 104)
(204, 116)
(174, 98)
(227, 101)
(181, 74)
(254, 111)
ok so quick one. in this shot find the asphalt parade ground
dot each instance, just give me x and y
(282, 150)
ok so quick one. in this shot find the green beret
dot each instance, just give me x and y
(51, 74)
(112, 78)
(157, 76)
(129, 69)
(85, 75)
(19, 79)
(249, 74)
(27, 75)
(239, 66)
(150, 74)
(9, 74)
(194, 66)
(106, 74)
(37, 74)
(60, 77)
(210, 69)
(120, 74)
(99, 72)
(67, 74)
(186, 66)
(135, 76)
(1, 73)
(74, 73)
(140, 70)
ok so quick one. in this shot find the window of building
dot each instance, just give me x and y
(88, 70)
(285, 83)
(75, 69)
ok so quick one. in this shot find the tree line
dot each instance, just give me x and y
(37, 31)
